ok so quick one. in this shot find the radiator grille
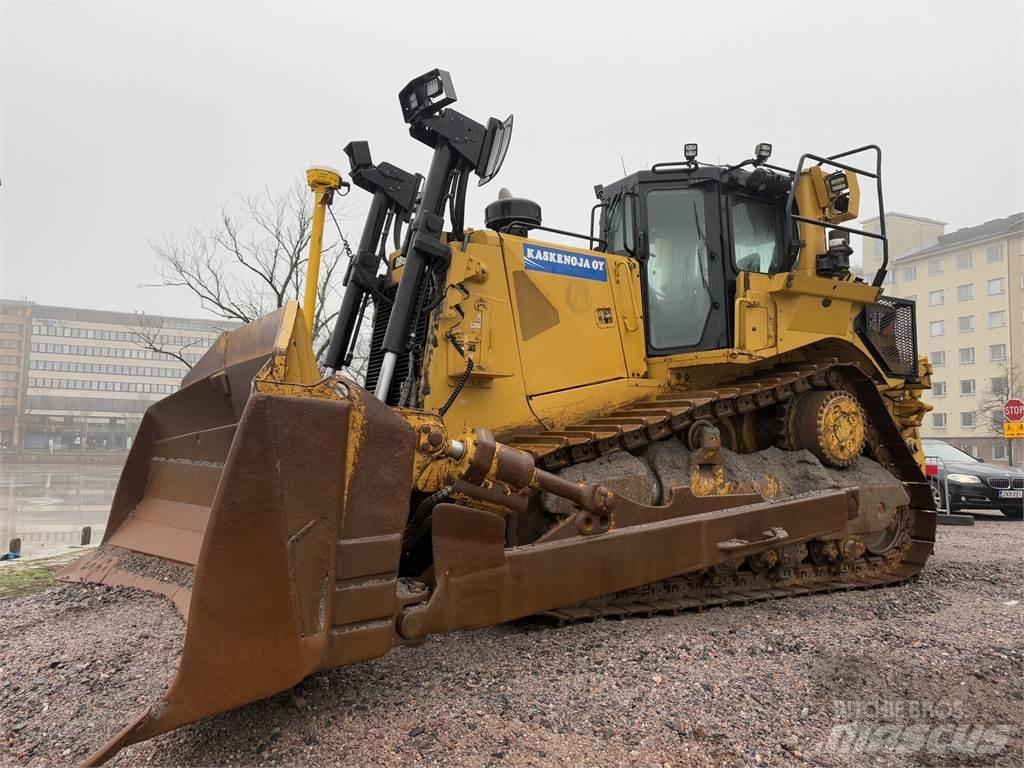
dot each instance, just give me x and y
(999, 482)
(381, 313)
(889, 331)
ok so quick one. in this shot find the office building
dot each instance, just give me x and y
(14, 333)
(86, 376)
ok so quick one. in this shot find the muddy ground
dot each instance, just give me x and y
(930, 673)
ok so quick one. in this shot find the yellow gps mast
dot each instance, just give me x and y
(323, 182)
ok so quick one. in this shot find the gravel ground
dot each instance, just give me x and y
(75, 663)
(762, 684)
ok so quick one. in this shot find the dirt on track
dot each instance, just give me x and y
(763, 684)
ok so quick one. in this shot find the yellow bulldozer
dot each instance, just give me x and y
(702, 404)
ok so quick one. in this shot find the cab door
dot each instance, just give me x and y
(683, 276)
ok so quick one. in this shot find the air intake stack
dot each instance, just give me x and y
(515, 215)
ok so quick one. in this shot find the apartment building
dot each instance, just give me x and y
(969, 290)
(86, 376)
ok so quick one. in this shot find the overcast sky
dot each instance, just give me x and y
(125, 121)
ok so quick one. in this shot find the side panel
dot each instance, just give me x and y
(565, 313)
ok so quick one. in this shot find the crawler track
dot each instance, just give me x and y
(637, 425)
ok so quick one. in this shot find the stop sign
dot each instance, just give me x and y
(1013, 410)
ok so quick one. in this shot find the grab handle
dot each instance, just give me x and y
(635, 326)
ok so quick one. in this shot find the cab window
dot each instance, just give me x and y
(620, 226)
(756, 236)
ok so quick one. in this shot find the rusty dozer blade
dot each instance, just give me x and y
(239, 484)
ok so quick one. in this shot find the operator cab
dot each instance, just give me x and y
(694, 228)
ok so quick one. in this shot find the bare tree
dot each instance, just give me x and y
(254, 260)
(147, 333)
(989, 414)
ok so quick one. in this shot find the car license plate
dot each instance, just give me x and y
(1011, 494)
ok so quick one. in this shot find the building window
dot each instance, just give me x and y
(911, 297)
(970, 448)
(997, 319)
(967, 420)
(1000, 386)
(102, 386)
(967, 356)
(935, 267)
(996, 286)
(939, 420)
(994, 253)
(997, 352)
(965, 324)
(938, 359)
(936, 328)
(936, 298)
(910, 273)
(999, 452)
(966, 387)
(964, 261)
(965, 292)
(938, 389)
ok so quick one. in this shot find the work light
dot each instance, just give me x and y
(358, 153)
(837, 182)
(690, 152)
(426, 95)
(763, 151)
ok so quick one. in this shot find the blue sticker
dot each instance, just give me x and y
(558, 262)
